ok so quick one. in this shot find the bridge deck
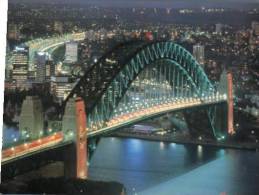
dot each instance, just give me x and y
(57, 139)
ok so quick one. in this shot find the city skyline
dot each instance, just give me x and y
(152, 3)
(142, 93)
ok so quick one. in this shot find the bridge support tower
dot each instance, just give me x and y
(226, 87)
(230, 104)
(74, 128)
(31, 122)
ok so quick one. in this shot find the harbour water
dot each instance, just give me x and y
(148, 167)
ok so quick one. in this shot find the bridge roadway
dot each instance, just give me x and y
(58, 139)
(46, 45)
(50, 48)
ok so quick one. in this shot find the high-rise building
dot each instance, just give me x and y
(41, 67)
(8, 63)
(20, 65)
(31, 75)
(50, 69)
(198, 53)
(13, 31)
(71, 54)
(255, 27)
(61, 87)
(218, 28)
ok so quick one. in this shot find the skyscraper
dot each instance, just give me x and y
(198, 53)
(13, 32)
(8, 65)
(20, 66)
(50, 69)
(41, 66)
(71, 52)
(61, 86)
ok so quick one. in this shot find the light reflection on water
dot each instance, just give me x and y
(162, 145)
(173, 145)
(141, 165)
(134, 144)
(199, 151)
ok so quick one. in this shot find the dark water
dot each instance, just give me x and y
(146, 167)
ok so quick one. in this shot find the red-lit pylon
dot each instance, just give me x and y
(81, 140)
(230, 104)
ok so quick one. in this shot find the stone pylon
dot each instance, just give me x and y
(31, 122)
(69, 120)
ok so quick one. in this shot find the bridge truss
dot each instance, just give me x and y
(137, 76)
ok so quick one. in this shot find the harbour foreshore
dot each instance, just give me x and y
(188, 140)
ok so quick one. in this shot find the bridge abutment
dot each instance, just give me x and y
(31, 122)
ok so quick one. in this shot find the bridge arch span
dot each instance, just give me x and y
(106, 83)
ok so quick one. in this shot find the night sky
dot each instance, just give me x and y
(152, 3)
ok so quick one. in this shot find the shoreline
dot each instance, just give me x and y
(231, 145)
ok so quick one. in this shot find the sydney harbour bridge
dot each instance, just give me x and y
(133, 82)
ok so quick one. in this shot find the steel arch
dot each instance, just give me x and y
(137, 53)
(104, 85)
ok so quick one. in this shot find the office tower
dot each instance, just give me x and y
(50, 69)
(31, 75)
(13, 32)
(198, 53)
(41, 67)
(71, 52)
(20, 64)
(8, 63)
(61, 86)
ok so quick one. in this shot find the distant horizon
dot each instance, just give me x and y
(152, 3)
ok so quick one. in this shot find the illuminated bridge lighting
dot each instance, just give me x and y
(125, 100)
(167, 106)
